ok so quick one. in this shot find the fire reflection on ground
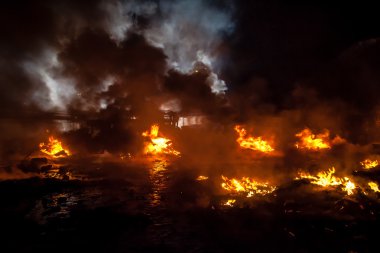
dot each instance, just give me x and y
(158, 178)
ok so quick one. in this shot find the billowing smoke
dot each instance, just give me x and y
(199, 37)
(167, 25)
(109, 66)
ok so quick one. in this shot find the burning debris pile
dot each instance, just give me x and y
(161, 149)
(246, 185)
(54, 148)
(158, 145)
(327, 179)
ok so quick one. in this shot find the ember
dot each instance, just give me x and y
(230, 202)
(202, 178)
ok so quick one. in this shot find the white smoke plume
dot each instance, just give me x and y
(55, 91)
(188, 31)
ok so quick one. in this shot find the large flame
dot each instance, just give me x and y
(158, 145)
(54, 148)
(369, 164)
(310, 141)
(246, 185)
(253, 143)
(327, 179)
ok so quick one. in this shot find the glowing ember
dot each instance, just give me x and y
(59, 174)
(349, 186)
(374, 186)
(327, 179)
(125, 156)
(369, 164)
(230, 202)
(158, 145)
(310, 141)
(253, 143)
(54, 148)
(202, 178)
(246, 185)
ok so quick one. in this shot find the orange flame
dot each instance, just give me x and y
(369, 164)
(327, 179)
(202, 178)
(229, 202)
(158, 145)
(246, 185)
(310, 141)
(54, 148)
(349, 186)
(374, 186)
(253, 143)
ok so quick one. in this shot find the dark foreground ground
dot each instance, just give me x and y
(169, 212)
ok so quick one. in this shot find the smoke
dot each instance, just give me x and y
(187, 39)
(171, 25)
(114, 66)
(59, 89)
(167, 25)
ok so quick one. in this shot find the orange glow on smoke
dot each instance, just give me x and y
(253, 143)
(310, 141)
(158, 145)
(369, 164)
(54, 148)
(246, 185)
(327, 179)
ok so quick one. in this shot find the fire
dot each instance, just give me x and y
(349, 186)
(327, 179)
(253, 143)
(230, 202)
(374, 186)
(54, 148)
(246, 185)
(310, 141)
(369, 164)
(158, 145)
(323, 178)
(202, 178)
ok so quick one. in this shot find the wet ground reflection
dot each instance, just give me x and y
(159, 179)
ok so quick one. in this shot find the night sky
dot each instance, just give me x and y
(307, 42)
